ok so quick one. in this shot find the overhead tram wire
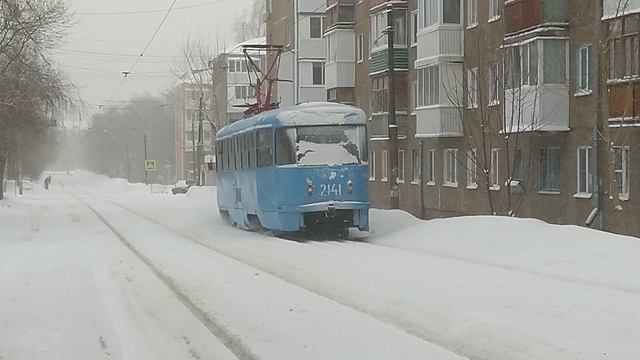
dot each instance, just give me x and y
(155, 33)
(115, 13)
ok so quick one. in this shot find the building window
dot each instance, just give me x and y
(622, 171)
(415, 166)
(400, 27)
(414, 99)
(378, 23)
(429, 11)
(494, 84)
(451, 11)
(379, 98)
(472, 13)
(472, 169)
(624, 47)
(372, 165)
(431, 167)
(401, 166)
(521, 65)
(555, 61)
(550, 169)
(414, 28)
(494, 171)
(383, 165)
(450, 167)
(472, 88)
(315, 27)
(318, 73)
(584, 180)
(583, 66)
(428, 85)
(332, 94)
(494, 9)
(331, 53)
(360, 48)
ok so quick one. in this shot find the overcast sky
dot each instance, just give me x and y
(104, 42)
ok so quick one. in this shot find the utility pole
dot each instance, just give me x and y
(128, 166)
(146, 177)
(200, 149)
(599, 89)
(193, 149)
(394, 200)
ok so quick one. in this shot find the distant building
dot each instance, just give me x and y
(231, 83)
(298, 26)
(187, 100)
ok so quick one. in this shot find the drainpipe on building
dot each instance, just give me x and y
(394, 196)
(596, 217)
(420, 182)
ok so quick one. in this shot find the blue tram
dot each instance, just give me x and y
(302, 168)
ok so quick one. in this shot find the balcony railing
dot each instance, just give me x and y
(341, 13)
(525, 14)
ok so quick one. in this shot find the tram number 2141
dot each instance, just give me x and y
(330, 189)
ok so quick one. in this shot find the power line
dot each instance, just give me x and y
(149, 11)
(155, 33)
(109, 54)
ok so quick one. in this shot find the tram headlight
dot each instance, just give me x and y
(349, 186)
(310, 189)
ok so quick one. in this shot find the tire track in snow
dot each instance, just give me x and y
(231, 341)
(396, 324)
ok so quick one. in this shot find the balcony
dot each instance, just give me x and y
(543, 107)
(438, 121)
(624, 102)
(380, 60)
(378, 126)
(525, 14)
(339, 12)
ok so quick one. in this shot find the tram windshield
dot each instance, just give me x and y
(321, 145)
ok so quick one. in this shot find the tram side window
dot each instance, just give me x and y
(251, 152)
(227, 157)
(245, 151)
(285, 146)
(232, 155)
(238, 152)
(264, 148)
(218, 156)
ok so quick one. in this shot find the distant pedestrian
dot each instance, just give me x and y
(47, 182)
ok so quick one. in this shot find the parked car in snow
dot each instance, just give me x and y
(182, 187)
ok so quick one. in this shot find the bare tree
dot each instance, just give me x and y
(32, 90)
(252, 23)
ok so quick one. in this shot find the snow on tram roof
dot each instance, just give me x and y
(315, 113)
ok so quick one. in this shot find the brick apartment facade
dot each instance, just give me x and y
(519, 107)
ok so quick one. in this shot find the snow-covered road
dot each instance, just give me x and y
(97, 268)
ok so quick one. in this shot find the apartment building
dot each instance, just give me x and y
(232, 80)
(187, 112)
(523, 107)
(298, 26)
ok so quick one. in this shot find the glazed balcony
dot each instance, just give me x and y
(526, 14)
(340, 13)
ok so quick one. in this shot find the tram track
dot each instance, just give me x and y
(237, 256)
(230, 340)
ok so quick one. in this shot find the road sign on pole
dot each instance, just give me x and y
(150, 165)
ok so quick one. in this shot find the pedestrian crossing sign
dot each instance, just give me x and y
(150, 165)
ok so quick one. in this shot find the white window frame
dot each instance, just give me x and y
(472, 169)
(472, 88)
(583, 79)
(415, 19)
(372, 165)
(428, 84)
(494, 84)
(360, 48)
(415, 166)
(321, 18)
(494, 170)
(400, 166)
(431, 167)
(494, 10)
(384, 164)
(623, 171)
(429, 12)
(451, 167)
(472, 13)
(323, 80)
(584, 192)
